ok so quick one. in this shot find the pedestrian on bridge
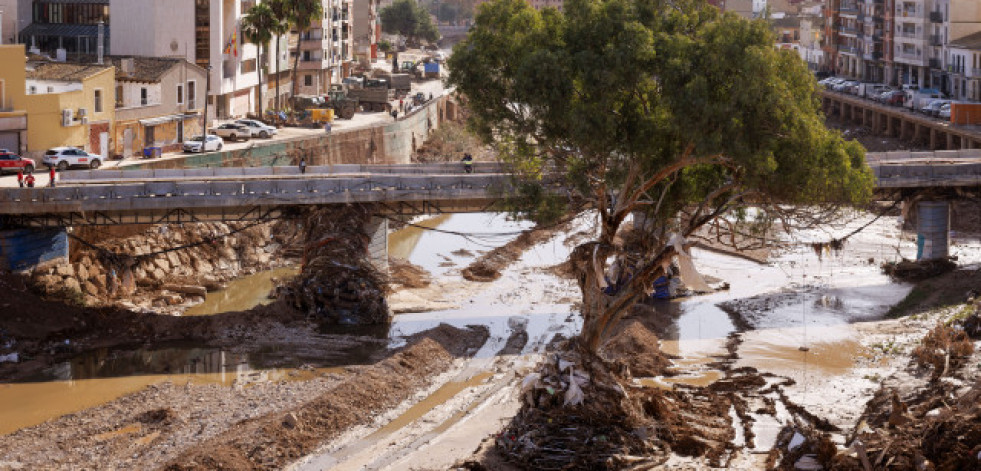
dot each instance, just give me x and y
(29, 180)
(467, 163)
(303, 165)
(20, 178)
(51, 176)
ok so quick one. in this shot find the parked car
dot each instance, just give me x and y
(933, 108)
(232, 131)
(203, 144)
(893, 97)
(10, 162)
(944, 112)
(830, 82)
(64, 157)
(871, 90)
(258, 128)
(845, 86)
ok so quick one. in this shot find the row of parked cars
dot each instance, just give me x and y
(62, 158)
(242, 129)
(928, 101)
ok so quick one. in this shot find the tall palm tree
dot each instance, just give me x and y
(302, 13)
(257, 26)
(280, 10)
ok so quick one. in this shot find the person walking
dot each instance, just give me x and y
(303, 165)
(51, 176)
(467, 163)
(401, 105)
(395, 115)
(327, 127)
(20, 178)
(29, 180)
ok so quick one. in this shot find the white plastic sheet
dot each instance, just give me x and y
(693, 280)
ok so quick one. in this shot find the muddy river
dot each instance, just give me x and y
(796, 315)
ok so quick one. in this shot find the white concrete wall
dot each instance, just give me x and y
(51, 86)
(132, 94)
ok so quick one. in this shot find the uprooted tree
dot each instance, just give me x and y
(667, 110)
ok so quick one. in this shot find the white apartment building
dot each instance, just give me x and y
(205, 32)
(912, 42)
(326, 49)
(366, 29)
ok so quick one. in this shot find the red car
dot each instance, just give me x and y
(894, 98)
(12, 163)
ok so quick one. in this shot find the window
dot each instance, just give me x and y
(192, 101)
(248, 66)
(32, 90)
(180, 94)
(308, 80)
(143, 96)
(51, 89)
(119, 96)
(98, 101)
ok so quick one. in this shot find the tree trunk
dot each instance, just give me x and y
(259, 71)
(278, 108)
(296, 65)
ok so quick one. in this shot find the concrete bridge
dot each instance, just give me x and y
(905, 170)
(171, 196)
(900, 122)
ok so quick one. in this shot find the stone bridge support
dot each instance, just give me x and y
(932, 230)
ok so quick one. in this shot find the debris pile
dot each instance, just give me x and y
(337, 282)
(908, 270)
(582, 411)
(943, 348)
(800, 447)
(634, 347)
(488, 267)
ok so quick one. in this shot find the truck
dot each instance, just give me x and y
(373, 98)
(916, 99)
(401, 83)
(336, 99)
(431, 69)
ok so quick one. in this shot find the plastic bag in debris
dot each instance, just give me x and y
(11, 357)
(563, 365)
(530, 382)
(796, 441)
(686, 267)
(574, 395)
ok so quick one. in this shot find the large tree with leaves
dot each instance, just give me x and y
(409, 19)
(258, 27)
(301, 14)
(280, 12)
(665, 110)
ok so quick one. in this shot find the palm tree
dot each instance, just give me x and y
(257, 26)
(280, 11)
(302, 14)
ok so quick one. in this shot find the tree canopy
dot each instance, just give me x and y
(409, 19)
(662, 108)
(258, 27)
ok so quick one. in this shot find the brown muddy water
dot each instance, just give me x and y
(244, 293)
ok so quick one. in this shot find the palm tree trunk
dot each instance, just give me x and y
(259, 71)
(296, 64)
(277, 73)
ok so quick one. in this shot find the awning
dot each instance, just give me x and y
(63, 30)
(161, 120)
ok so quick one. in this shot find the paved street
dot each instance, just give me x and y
(361, 120)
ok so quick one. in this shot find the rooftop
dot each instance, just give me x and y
(62, 71)
(971, 41)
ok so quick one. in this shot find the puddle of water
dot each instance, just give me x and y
(132, 428)
(699, 379)
(434, 251)
(243, 293)
(827, 351)
(440, 396)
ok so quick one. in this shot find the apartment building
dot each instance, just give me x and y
(64, 28)
(205, 32)
(326, 49)
(366, 30)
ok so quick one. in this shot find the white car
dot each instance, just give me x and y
(257, 128)
(232, 131)
(64, 157)
(203, 144)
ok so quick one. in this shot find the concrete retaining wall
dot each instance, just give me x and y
(391, 142)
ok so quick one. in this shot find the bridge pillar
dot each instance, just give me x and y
(889, 126)
(876, 123)
(965, 143)
(950, 141)
(932, 230)
(24, 249)
(933, 139)
(903, 129)
(377, 230)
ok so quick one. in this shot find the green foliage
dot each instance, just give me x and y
(916, 296)
(258, 27)
(384, 46)
(409, 19)
(611, 87)
(300, 14)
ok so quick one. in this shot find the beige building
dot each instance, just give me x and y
(159, 103)
(68, 105)
(366, 29)
(326, 49)
(13, 106)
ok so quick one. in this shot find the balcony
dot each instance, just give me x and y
(975, 72)
(936, 40)
(873, 56)
(848, 11)
(935, 64)
(312, 44)
(848, 31)
(936, 17)
(848, 50)
(909, 35)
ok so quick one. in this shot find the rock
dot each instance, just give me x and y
(139, 273)
(263, 258)
(65, 270)
(173, 259)
(173, 299)
(90, 288)
(72, 284)
(290, 421)
(159, 275)
(83, 273)
(187, 289)
(228, 253)
(162, 263)
(99, 281)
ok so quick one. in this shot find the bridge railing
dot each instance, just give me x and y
(81, 176)
(874, 157)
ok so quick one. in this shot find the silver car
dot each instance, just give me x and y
(257, 128)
